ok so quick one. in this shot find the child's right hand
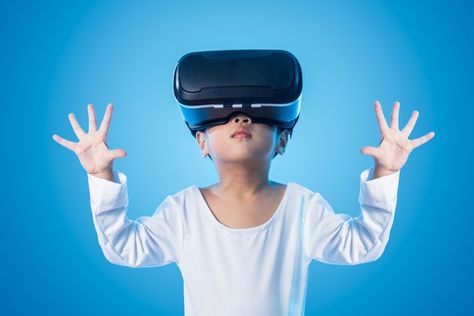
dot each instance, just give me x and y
(92, 150)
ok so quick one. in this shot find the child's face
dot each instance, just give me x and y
(218, 141)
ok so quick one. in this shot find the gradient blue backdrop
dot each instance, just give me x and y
(58, 56)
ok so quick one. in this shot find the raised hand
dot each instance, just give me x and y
(395, 147)
(92, 150)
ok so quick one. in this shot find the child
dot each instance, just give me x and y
(244, 244)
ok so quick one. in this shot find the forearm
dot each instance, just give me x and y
(144, 242)
(109, 201)
(338, 238)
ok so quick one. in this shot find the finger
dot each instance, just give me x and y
(371, 151)
(104, 126)
(75, 126)
(394, 119)
(65, 143)
(421, 140)
(380, 117)
(92, 123)
(411, 123)
(116, 153)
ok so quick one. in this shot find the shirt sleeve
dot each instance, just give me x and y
(341, 239)
(148, 241)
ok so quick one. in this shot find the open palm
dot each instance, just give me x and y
(92, 150)
(395, 147)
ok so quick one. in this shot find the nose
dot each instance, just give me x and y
(241, 118)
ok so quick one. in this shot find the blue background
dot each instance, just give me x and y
(57, 57)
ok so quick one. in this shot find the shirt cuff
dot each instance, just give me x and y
(107, 195)
(380, 191)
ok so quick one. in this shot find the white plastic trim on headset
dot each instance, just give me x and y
(238, 105)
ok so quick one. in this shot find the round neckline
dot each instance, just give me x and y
(245, 229)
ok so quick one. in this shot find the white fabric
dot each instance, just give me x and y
(260, 270)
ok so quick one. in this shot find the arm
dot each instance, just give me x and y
(144, 242)
(341, 239)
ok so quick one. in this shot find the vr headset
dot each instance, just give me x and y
(211, 86)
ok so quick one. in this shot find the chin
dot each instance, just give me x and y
(240, 157)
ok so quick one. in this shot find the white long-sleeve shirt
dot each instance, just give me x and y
(253, 271)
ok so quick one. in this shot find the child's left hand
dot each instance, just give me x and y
(395, 147)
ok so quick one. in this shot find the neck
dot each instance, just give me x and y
(242, 179)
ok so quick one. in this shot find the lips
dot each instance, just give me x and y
(242, 132)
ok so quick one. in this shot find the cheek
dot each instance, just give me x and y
(218, 145)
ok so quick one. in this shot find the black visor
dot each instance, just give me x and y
(264, 84)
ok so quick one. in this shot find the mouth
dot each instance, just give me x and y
(241, 133)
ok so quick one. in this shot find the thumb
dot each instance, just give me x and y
(116, 153)
(369, 150)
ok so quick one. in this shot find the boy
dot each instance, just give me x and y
(244, 244)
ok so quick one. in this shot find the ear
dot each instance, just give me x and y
(201, 139)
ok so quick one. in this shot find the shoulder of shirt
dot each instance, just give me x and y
(182, 196)
(303, 190)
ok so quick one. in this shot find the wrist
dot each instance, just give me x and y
(381, 172)
(107, 175)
